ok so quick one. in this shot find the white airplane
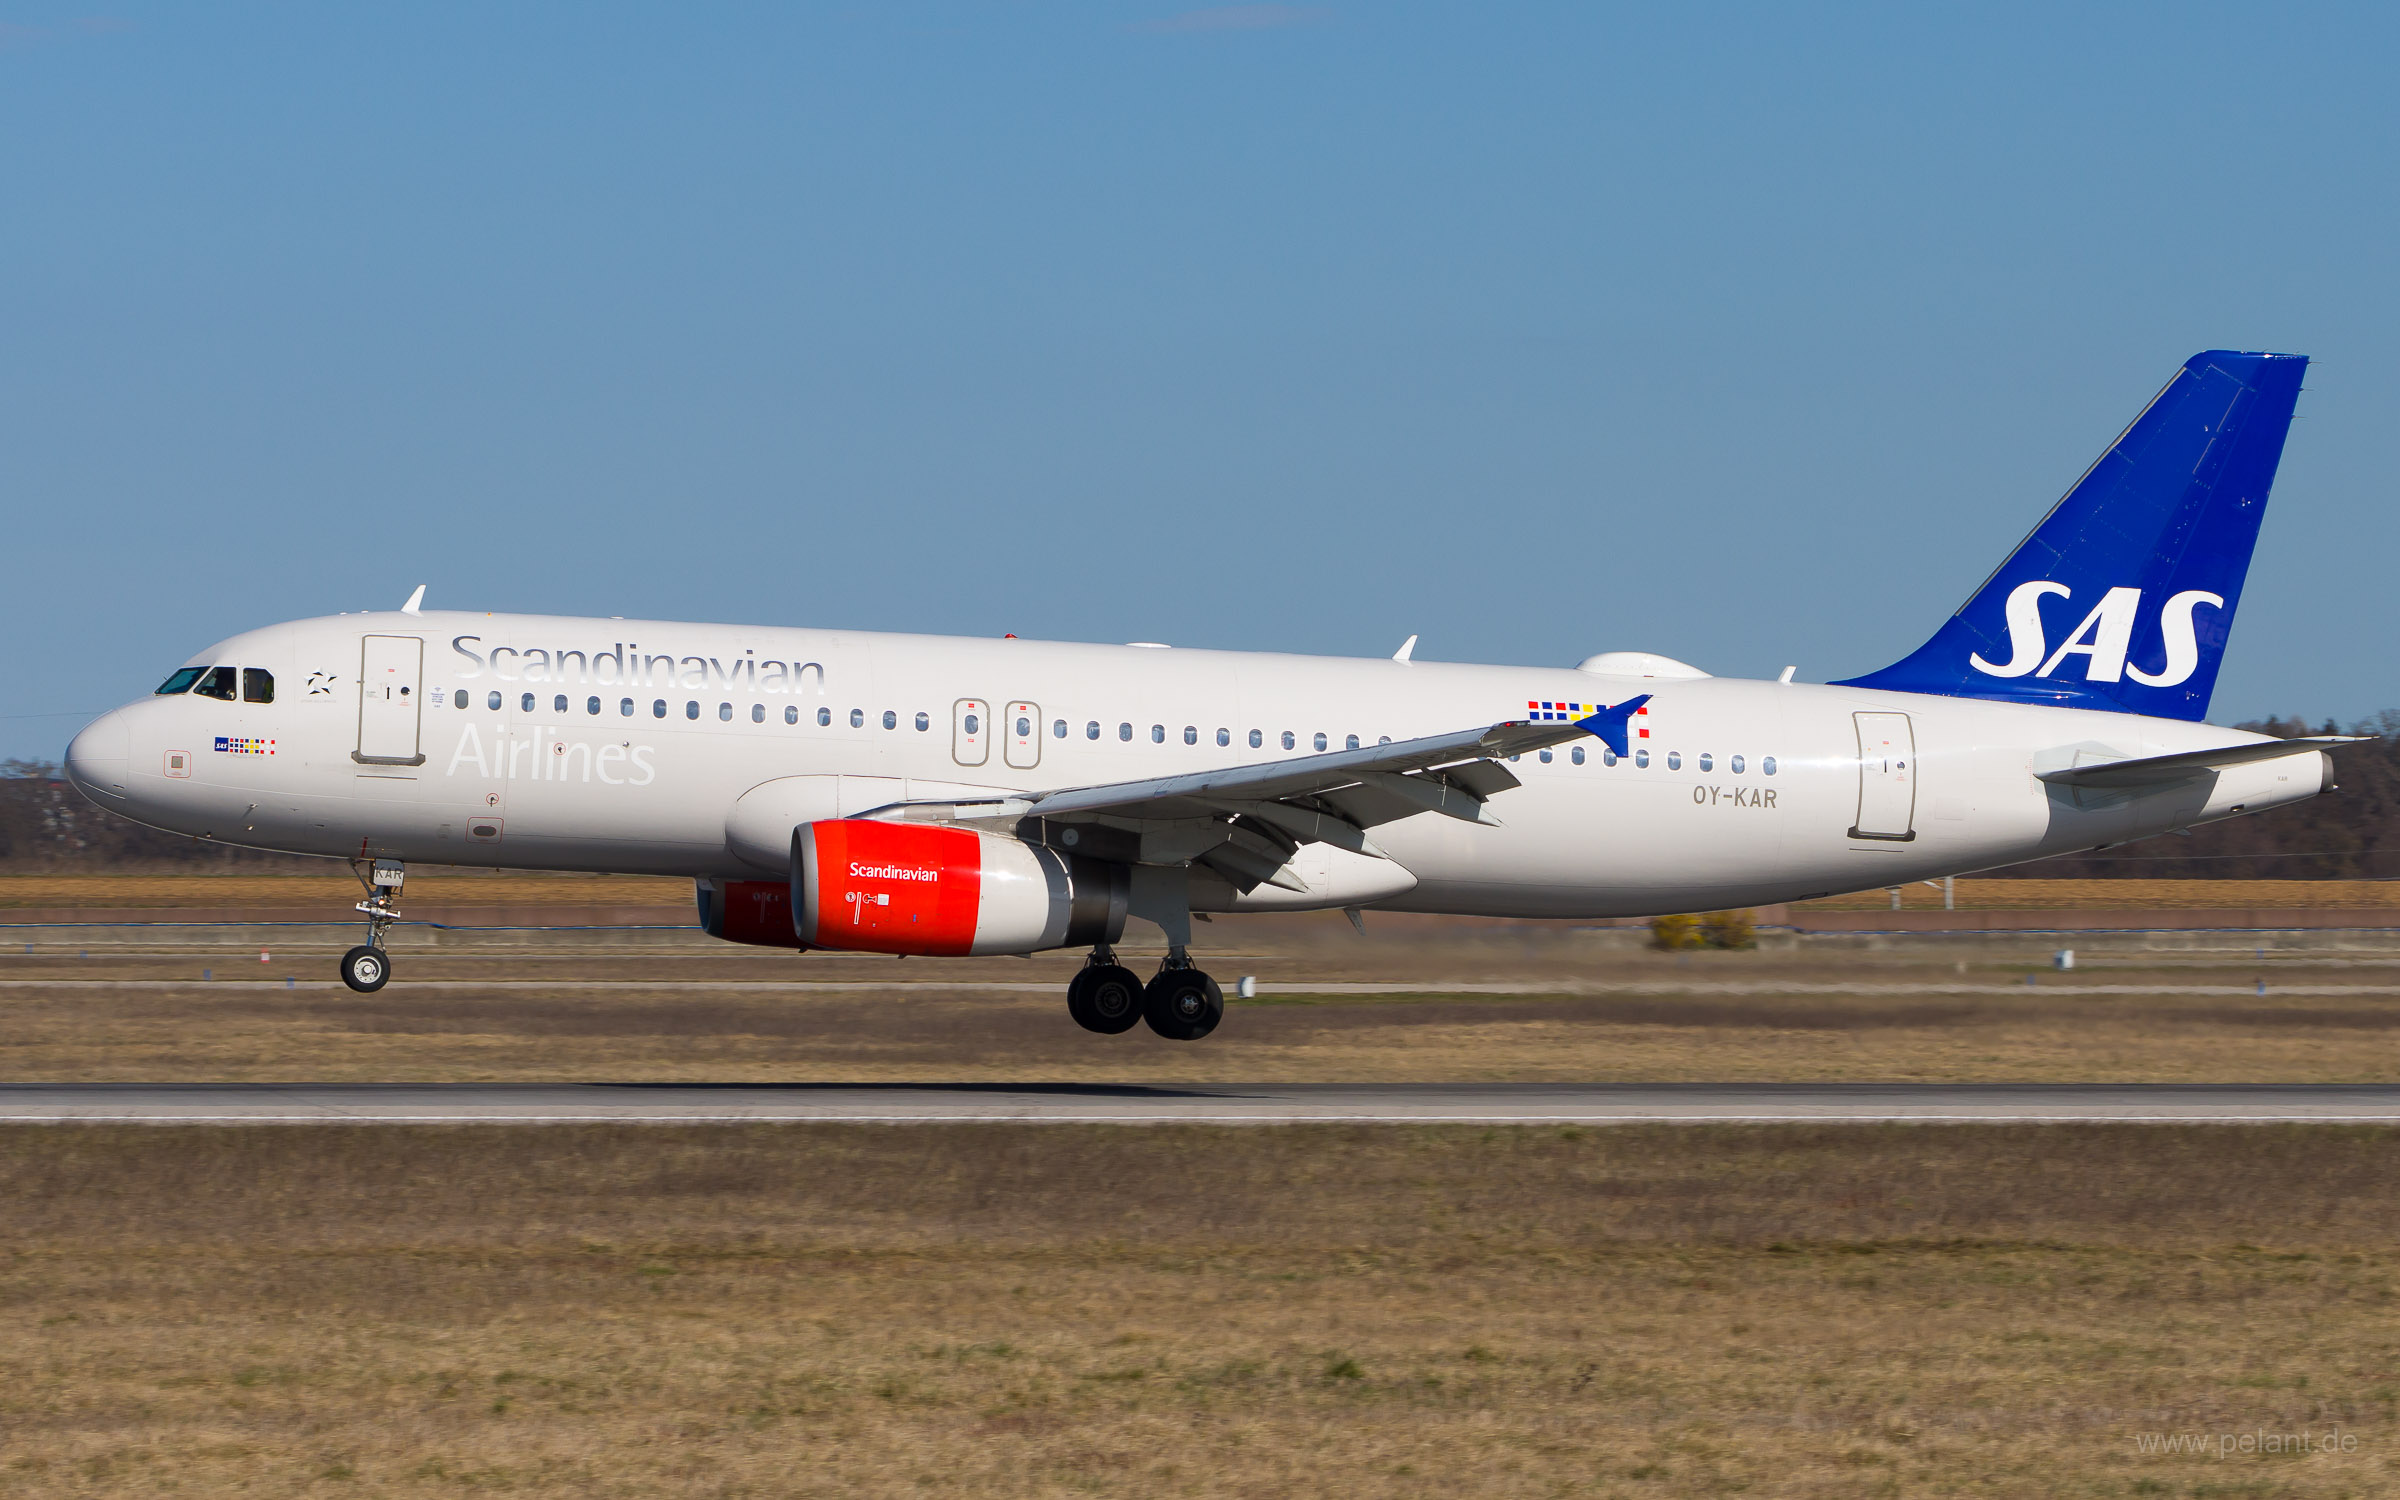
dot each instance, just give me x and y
(931, 795)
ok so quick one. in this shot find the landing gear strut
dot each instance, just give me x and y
(366, 967)
(1106, 997)
(1182, 1004)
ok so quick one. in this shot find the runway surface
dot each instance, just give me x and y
(1223, 1104)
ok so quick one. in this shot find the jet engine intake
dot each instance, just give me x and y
(874, 887)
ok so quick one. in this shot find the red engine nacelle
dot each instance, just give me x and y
(748, 911)
(878, 887)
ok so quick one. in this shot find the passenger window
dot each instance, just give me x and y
(1736, 763)
(1351, 743)
(181, 681)
(658, 708)
(258, 685)
(1383, 739)
(1576, 755)
(758, 714)
(1320, 739)
(1545, 757)
(1124, 731)
(1768, 765)
(1674, 760)
(1254, 739)
(1058, 729)
(1024, 728)
(491, 700)
(824, 718)
(525, 704)
(592, 705)
(1158, 734)
(625, 708)
(1641, 760)
(1707, 762)
(1288, 740)
(923, 723)
(559, 705)
(724, 713)
(1224, 737)
(890, 720)
(1091, 731)
(791, 713)
(858, 718)
(218, 684)
(974, 724)
(1608, 757)
(691, 708)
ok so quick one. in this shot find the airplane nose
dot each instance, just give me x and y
(96, 759)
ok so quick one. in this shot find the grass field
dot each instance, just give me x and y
(1338, 1311)
(1504, 1006)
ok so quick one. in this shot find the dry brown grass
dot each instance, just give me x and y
(720, 1014)
(1801, 1312)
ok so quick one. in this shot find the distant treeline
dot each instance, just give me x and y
(47, 826)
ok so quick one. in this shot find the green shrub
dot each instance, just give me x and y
(1728, 929)
(1718, 929)
(1676, 933)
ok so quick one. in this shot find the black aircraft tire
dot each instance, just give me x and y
(1183, 1005)
(365, 969)
(1106, 998)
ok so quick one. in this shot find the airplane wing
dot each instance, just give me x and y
(2156, 770)
(1247, 821)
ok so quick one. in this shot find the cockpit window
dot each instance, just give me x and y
(181, 682)
(218, 683)
(258, 685)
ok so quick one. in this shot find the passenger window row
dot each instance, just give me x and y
(1737, 764)
(219, 682)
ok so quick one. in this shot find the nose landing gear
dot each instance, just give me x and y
(367, 967)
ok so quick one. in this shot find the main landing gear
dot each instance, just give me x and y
(1181, 1004)
(366, 967)
(1106, 997)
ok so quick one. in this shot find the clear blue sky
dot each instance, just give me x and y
(1748, 336)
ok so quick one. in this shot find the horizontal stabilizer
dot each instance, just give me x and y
(2157, 770)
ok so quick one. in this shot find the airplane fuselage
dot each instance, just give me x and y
(682, 749)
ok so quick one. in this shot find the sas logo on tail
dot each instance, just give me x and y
(2103, 638)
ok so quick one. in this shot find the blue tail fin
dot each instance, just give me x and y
(2124, 595)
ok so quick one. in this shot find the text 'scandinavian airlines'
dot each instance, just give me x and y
(928, 795)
